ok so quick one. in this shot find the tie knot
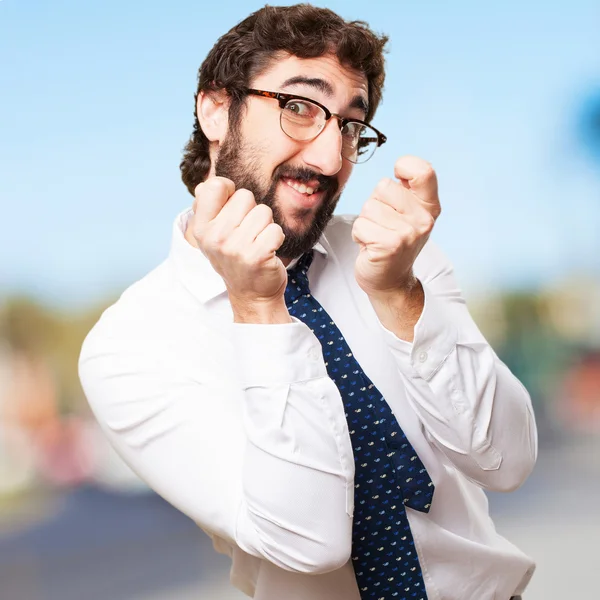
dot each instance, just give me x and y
(298, 279)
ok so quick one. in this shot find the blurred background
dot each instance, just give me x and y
(96, 104)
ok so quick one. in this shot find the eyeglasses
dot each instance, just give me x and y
(303, 119)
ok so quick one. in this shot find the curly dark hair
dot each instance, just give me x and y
(246, 51)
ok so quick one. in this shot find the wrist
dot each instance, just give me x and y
(270, 312)
(399, 309)
(409, 289)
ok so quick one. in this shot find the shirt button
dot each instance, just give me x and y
(422, 357)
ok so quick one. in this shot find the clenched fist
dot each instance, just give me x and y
(394, 225)
(239, 238)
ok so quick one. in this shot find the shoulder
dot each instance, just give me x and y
(155, 311)
(141, 300)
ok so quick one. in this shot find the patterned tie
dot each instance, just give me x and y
(388, 472)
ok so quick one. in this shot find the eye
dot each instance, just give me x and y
(359, 138)
(300, 108)
(351, 132)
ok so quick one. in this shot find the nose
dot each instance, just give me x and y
(324, 153)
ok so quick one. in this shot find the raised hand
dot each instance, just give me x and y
(239, 238)
(393, 226)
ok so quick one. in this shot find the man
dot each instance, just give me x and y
(310, 389)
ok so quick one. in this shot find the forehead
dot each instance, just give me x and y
(345, 82)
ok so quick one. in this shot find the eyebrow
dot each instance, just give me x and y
(326, 88)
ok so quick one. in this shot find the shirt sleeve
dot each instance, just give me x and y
(255, 451)
(471, 406)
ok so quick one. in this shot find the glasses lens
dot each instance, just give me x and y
(359, 142)
(302, 120)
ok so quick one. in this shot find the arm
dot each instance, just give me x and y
(470, 404)
(255, 449)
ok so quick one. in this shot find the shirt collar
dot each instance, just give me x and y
(194, 269)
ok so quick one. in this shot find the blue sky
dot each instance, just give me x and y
(96, 103)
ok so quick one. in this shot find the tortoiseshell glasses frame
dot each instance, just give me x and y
(305, 119)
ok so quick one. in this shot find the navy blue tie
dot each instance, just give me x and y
(388, 473)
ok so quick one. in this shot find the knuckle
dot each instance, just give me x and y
(426, 173)
(264, 209)
(428, 168)
(398, 242)
(367, 209)
(218, 184)
(244, 195)
(404, 162)
(197, 227)
(263, 213)
(197, 192)
(275, 232)
(212, 184)
(384, 185)
(271, 228)
(216, 239)
(215, 244)
(427, 222)
(231, 250)
(410, 233)
(375, 210)
(359, 223)
(199, 237)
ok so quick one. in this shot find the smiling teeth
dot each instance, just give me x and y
(303, 189)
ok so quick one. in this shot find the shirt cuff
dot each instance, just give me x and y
(277, 354)
(435, 338)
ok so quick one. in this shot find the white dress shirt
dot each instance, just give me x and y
(240, 427)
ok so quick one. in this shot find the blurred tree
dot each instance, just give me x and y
(533, 349)
(41, 333)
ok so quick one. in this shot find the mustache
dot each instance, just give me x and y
(304, 175)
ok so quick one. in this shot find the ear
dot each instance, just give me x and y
(212, 109)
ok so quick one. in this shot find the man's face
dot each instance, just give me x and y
(257, 155)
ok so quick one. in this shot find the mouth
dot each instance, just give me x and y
(307, 195)
(307, 189)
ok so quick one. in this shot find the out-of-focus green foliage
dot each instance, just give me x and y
(30, 328)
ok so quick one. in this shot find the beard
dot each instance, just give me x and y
(240, 162)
